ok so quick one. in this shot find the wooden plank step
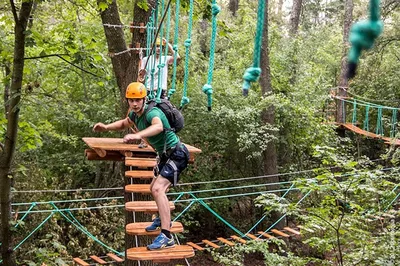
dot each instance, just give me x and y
(162, 255)
(140, 162)
(115, 257)
(241, 240)
(291, 230)
(139, 229)
(265, 235)
(138, 188)
(253, 237)
(139, 174)
(145, 206)
(225, 241)
(193, 245)
(279, 233)
(98, 260)
(81, 262)
(306, 229)
(209, 243)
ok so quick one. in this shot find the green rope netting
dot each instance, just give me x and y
(253, 73)
(207, 88)
(175, 48)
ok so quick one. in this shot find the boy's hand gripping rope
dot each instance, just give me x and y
(362, 37)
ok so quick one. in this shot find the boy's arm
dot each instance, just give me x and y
(155, 128)
(171, 58)
(115, 126)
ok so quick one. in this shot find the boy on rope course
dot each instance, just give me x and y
(173, 156)
(159, 62)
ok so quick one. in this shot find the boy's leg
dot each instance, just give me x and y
(158, 189)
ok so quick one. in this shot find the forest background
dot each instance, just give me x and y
(68, 81)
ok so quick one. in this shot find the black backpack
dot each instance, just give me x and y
(174, 116)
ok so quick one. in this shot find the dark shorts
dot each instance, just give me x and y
(173, 163)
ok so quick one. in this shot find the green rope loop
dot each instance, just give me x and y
(250, 75)
(184, 101)
(207, 89)
(188, 43)
(253, 73)
(363, 35)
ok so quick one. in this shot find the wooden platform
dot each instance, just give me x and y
(145, 206)
(139, 229)
(104, 146)
(163, 255)
(140, 162)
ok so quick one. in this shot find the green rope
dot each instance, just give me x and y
(354, 120)
(161, 64)
(366, 120)
(188, 42)
(175, 48)
(264, 216)
(37, 228)
(207, 88)
(395, 198)
(26, 213)
(379, 125)
(363, 35)
(253, 73)
(393, 124)
(217, 215)
(81, 228)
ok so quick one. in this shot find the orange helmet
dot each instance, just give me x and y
(135, 90)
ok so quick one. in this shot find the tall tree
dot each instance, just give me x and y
(269, 155)
(295, 17)
(12, 115)
(233, 6)
(343, 82)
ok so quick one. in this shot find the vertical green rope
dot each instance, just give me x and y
(366, 120)
(393, 123)
(175, 48)
(253, 73)
(188, 42)
(379, 125)
(354, 120)
(207, 88)
(160, 65)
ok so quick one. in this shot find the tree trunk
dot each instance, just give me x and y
(126, 67)
(343, 82)
(12, 115)
(233, 6)
(268, 115)
(295, 17)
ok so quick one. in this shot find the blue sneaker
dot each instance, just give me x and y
(161, 241)
(156, 225)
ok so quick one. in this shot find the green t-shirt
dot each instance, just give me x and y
(157, 141)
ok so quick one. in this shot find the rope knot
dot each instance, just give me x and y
(175, 47)
(250, 75)
(215, 9)
(207, 89)
(188, 42)
(185, 100)
(161, 65)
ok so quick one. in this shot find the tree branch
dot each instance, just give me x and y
(62, 58)
(14, 11)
